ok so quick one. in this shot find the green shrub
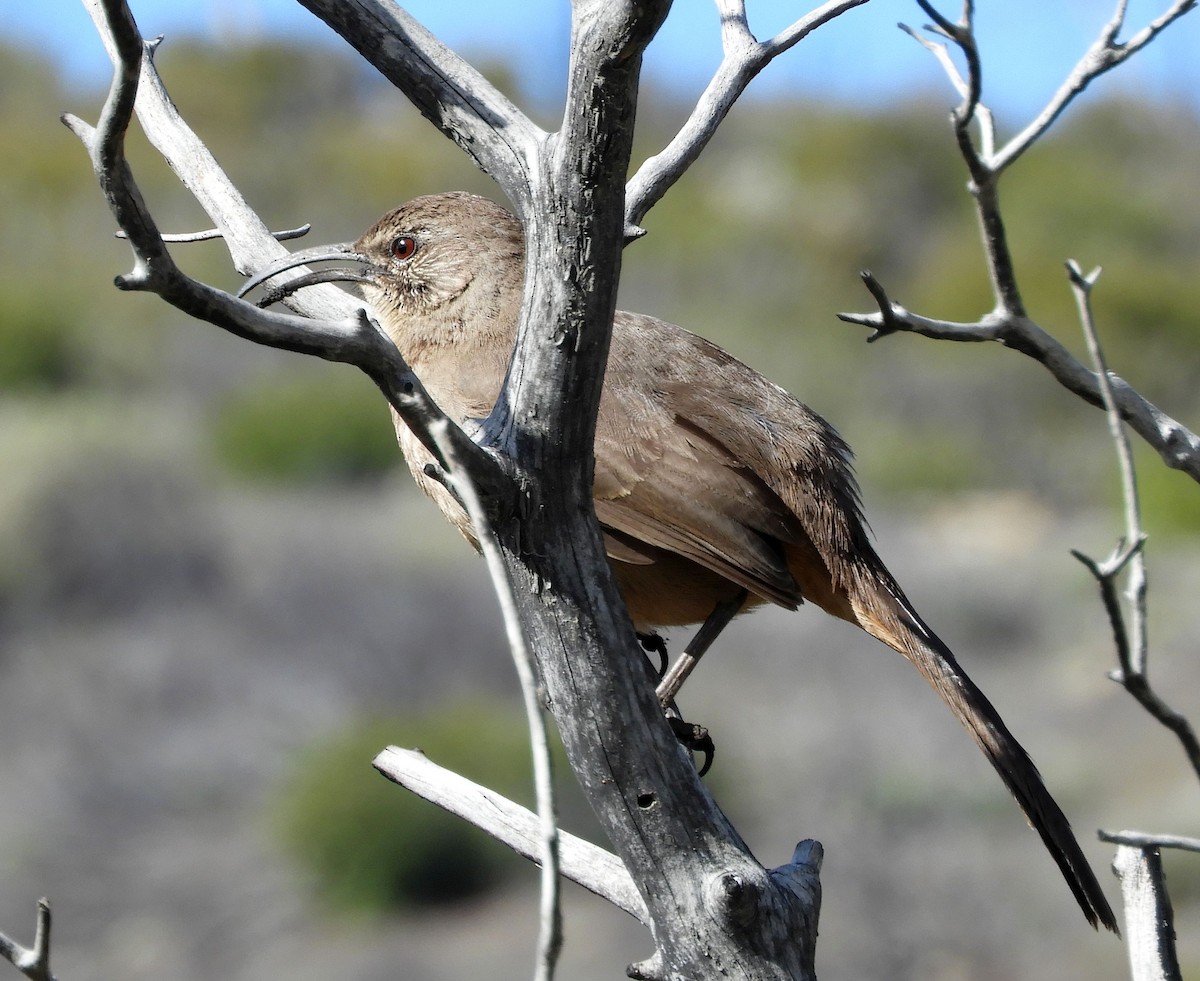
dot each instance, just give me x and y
(372, 846)
(335, 428)
(37, 339)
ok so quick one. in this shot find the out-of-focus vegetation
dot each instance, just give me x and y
(35, 336)
(302, 430)
(370, 847)
(116, 413)
(757, 247)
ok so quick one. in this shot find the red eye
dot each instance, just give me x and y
(404, 247)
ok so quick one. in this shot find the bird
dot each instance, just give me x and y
(716, 490)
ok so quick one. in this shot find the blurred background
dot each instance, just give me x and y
(220, 595)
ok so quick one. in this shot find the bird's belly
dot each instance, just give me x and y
(672, 591)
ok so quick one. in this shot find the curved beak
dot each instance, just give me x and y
(342, 252)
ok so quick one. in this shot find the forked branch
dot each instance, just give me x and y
(352, 338)
(568, 186)
(1128, 559)
(1008, 323)
(33, 962)
(448, 91)
(744, 56)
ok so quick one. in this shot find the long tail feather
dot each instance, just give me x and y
(891, 618)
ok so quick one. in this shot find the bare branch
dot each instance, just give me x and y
(212, 234)
(1081, 286)
(968, 90)
(963, 35)
(33, 962)
(448, 91)
(353, 339)
(1105, 53)
(1140, 839)
(941, 52)
(984, 165)
(1131, 650)
(1178, 446)
(1106, 574)
(550, 935)
(590, 866)
(251, 244)
(983, 177)
(744, 57)
(1149, 919)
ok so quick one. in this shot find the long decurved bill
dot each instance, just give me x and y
(342, 252)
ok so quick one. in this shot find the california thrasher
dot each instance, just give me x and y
(716, 490)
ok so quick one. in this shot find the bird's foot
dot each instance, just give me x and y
(694, 737)
(653, 643)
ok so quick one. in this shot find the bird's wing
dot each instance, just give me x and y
(669, 473)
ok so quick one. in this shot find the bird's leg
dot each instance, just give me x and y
(653, 643)
(724, 611)
(694, 737)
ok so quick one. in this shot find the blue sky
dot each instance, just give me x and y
(1029, 44)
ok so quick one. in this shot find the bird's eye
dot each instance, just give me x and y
(403, 247)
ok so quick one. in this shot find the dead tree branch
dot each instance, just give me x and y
(1149, 928)
(1105, 53)
(1139, 839)
(448, 91)
(1008, 322)
(353, 339)
(33, 962)
(550, 934)
(1132, 644)
(532, 452)
(744, 56)
(597, 870)
(1149, 918)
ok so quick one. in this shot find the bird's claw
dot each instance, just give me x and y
(695, 738)
(653, 643)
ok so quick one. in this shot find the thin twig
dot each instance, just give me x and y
(1177, 445)
(962, 34)
(212, 234)
(1105, 53)
(743, 58)
(1081, 287)
(352, 339)
(982, 185)
(1105, 574)
(968, 91)
(1132, 644)
(1007, 323)
(550, 935)
(1140, 839)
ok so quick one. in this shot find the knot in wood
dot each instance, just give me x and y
(735, 898)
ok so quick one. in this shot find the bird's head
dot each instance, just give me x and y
(429, 267)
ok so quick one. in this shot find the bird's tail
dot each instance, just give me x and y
(887, 615)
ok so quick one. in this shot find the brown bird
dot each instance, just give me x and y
(716, 490)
